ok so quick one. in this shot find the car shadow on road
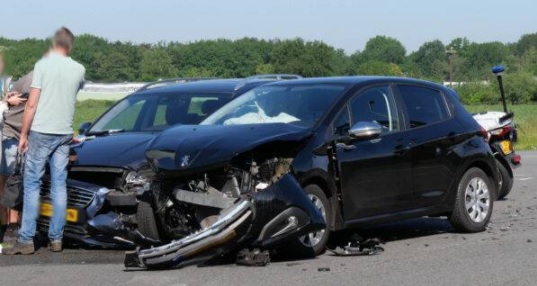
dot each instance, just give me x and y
(402, 230)
(408, 229)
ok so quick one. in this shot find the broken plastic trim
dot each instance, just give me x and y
(359, 247)
(179, 252)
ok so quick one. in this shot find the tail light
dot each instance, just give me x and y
(516, 159)
(485, 134)
(502, 132)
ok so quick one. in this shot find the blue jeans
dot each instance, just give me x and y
(43, 148)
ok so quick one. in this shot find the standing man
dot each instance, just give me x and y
(47, 129)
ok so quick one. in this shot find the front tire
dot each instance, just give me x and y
(145, 218)
(474, 202)
(506, 181)
(314, 244)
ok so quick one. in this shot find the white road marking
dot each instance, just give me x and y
(525, 179)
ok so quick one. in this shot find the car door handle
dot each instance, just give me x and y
(345, 146)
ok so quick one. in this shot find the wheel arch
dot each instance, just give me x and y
(321, 179)
(485, 167)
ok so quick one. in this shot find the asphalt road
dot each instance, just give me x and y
(418, 252)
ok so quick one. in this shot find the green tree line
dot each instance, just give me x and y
(108, 61)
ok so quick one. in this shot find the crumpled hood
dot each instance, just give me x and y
(115, 150)
(189, 147)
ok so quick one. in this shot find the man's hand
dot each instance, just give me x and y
(15, 98)
(23, 144)
(12, 93)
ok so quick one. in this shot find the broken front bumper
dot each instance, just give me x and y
(88, 222)
(279, 213)
(83, 202)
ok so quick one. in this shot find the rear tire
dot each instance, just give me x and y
(313, 244)
(474, 202)
(145, 218)
(506, 181)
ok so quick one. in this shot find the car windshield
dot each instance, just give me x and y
(302, 105)
(157, 111)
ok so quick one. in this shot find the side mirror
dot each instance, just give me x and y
(365, 130)
(84, 128)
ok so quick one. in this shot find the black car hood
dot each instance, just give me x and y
(193, 147)
(115, 150)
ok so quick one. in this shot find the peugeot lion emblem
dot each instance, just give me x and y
(185, 160)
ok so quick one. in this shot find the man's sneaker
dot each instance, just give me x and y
(19, 248)
(55, 245)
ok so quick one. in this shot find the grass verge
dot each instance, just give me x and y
(89, 110)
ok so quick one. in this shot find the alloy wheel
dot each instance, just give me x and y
(312, 239)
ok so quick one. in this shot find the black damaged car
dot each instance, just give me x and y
(363, 150)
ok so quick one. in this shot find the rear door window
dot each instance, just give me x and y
(204, 106)
(184, 109)
(425, 106)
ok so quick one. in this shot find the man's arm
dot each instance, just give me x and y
(28, 118)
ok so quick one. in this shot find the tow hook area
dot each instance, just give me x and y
(114, 225)
(121, 199)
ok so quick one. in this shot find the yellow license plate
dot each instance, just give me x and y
(507, 147)
(47, 210)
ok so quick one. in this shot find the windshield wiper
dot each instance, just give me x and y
(104, 132)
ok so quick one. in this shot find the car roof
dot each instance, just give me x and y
(209, 86)
(232, 85)
(352, 80)
(216, 85)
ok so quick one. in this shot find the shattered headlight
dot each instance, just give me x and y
(136, 182)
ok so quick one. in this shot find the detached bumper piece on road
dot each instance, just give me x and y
(357, 246)
(202, 245)
(278, 214)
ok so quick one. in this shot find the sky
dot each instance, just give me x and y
(345, 24)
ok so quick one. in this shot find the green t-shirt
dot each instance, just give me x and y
(59, 78)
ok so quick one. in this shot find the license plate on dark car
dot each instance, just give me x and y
(46, 210)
